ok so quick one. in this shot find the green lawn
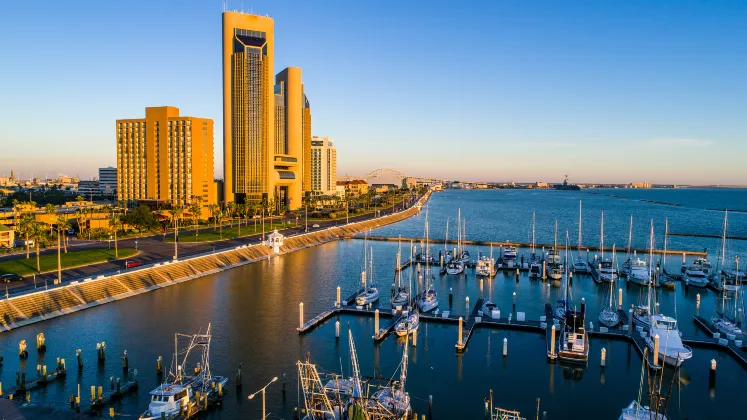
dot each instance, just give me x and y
(210, 235)
(73, 258)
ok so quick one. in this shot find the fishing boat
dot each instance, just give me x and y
(608, 316)
(694, 276)
(636, 411)
(490, 309)
(663, 279)
(497, 413)
(658, 398)
(408, 325)
(179, 391)
(555, 269)
(671, 348)
(580, 265)
(394, 398)
(574, 339)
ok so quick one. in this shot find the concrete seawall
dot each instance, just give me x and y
(41, 305)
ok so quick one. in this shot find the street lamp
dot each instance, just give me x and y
(264, 415)
(135, 244)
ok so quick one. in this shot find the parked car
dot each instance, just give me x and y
(10, 277)
(132, 264)
(315, 225)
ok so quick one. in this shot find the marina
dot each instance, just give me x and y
(435, 354)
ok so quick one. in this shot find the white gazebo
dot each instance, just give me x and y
(275, 241)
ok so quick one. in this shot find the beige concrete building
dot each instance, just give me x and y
(165, 157)
(323, 172)
(266, 122)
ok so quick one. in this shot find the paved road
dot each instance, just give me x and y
(153, 249)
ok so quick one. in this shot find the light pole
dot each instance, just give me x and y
(135, 244)
(264, 414)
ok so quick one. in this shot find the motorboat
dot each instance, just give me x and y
(726, 326)
(607, 271)
(555, 271)
(408, 324)
(490, 309)
(671, 348)
(580, 265)
(642, 316)
(638, 272)
(168, 399)
(535, 270)
(485, 267)
(509, 255)
(553, 257)
(694, 276)
(574, 339)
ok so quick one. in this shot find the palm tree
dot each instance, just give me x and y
(115, 224)
(25, 226)
(230, 211)
(63, 225)
(219, 215)
(195, 208)
(213, 214)
(240, 212)
(177, 211)
(37, 233)
(50, 210)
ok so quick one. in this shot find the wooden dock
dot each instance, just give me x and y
(24, 388)
(109, 397)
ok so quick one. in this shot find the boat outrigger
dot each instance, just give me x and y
(186, 394)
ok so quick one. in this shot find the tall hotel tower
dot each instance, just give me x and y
(266, 120)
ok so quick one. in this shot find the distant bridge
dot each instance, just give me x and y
(377, 173)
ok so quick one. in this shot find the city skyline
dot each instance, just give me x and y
(606, 93)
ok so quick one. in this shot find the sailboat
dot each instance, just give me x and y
(428, 300)
(635, 268)
(180, 390)
(400, 295)
(642, 313)
(574, 339)
(608, 316)
(663, 279)
(606, 270)
(456, 265)
(425, 255)
(408, 324)
(580, 265)
(561, 307)
(369, 293)
(727, 321)
(535, 261)
(556, 267)
(447, 253)
(465, 257)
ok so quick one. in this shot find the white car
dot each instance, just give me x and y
(315, 225)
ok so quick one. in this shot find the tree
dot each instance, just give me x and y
(239, 212)
(219, 215)
(115, 224)
(37, 232)
(26, 226)
(214, 214)
(177, 211)
(230, 211)
(141, 218)
(196, 208)
(63, 225)
(50, 210)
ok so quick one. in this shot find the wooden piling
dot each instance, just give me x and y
(656, 350)
(300, 315)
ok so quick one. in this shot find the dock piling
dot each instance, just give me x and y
(238, 377)
(656, 350)
(544, 267)
(300, 314)
(22, 353)
(697, 299)
(620, 298)
(430, 407)
(101, 351)
(41, 346)
(451, 295)
(570, 280)
(415, 338)
(459, 342)
(376, 322)
(338, 301)
(604, 357)
(466, 305)
(337, 329)
(159, 366)
(712, 375)
(79, 356)
(552, 341)
(505, 347)
(517, 275)
(125, 361)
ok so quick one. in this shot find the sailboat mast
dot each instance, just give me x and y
(446, 240)
(666, 233)
(533, 222)
(630, 236)
(555, 240)
(722, 260)
(601, 235)
(399, 262)
(579, 227)
(651, 262)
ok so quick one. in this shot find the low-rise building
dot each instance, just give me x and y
(6, 237)
(354, 187)
(88, 189)
(108, 180)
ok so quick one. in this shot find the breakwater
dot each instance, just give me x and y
(45, 304)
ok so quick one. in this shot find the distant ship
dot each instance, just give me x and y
(566, 186)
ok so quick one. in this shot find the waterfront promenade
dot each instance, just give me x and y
(104, 286)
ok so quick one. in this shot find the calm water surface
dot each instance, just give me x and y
(254, 313)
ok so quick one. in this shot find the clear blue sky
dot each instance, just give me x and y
(497, 90)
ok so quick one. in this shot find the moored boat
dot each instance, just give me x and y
(693, 275)
(671, 348)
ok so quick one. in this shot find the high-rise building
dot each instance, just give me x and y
(165, 157)
(323, 166)
(266, 122)
(107, 180)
